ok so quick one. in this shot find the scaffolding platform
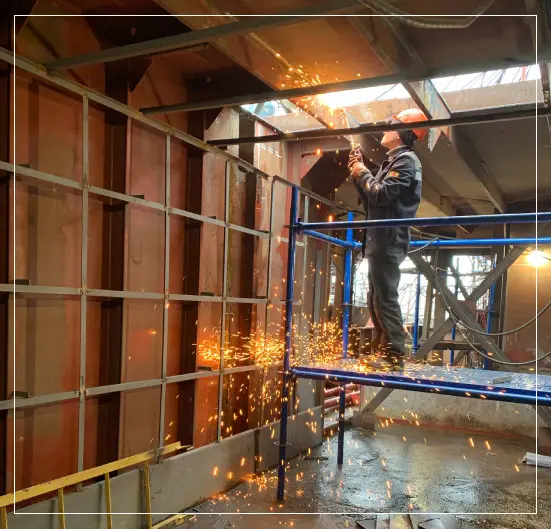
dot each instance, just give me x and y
(523, 388)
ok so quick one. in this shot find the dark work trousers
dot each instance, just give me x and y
(384, 307)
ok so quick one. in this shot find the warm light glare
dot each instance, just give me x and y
(537, 258)
(335, 99)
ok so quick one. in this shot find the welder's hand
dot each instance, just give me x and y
(355, 163)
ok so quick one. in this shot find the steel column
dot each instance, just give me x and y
(456, 293)
(224, 300)
(416, 314)
(287, 377)
(490, 309)
(345, 324)
(84, 285)
(166, 304)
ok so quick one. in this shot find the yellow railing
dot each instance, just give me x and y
(60, 484)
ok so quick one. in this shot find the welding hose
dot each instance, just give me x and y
(458, 323)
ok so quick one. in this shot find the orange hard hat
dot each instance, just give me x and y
(412, 115)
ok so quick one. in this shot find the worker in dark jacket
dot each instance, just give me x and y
(393, 193)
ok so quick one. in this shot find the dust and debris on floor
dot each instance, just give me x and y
(399, 469)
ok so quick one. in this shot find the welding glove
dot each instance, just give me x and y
(355, 163)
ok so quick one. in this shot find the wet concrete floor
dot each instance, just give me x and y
(400, 469)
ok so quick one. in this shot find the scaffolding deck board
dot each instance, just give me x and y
(523, 388)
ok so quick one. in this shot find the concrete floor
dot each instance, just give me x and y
(399, 469)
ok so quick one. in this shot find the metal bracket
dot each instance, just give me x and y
(286, 445)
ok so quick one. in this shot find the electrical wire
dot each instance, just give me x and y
(459, 324)
(510, 331)
(423, 247)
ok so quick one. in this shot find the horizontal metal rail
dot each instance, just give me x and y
(454, 243)
(467, 220)
(209, 34)
(442, 387)
(505, 115)
(437, 243)
(81, 477)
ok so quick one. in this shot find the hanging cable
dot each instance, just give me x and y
(504, 333)
(459, 324)
(423, 247)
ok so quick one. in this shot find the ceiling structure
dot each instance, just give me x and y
(475, 168)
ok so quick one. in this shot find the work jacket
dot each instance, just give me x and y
(393, 193)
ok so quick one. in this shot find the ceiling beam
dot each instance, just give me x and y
(431, 102)
(465, 119)
(354, 84)
(192, 38)
(541, 35)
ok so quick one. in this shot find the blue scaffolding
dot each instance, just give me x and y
(513, 387)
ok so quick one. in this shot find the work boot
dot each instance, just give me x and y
(396, 360)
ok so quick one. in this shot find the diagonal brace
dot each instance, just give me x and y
(485, 284)
(459, 308)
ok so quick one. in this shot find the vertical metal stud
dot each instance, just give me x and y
(3, 518)
(289, 298)
(416, 315)
(108, 506)
(147, 495)
(268, 288)
(304, 261)
(166, 288)
(224, 298)
(61, 508)
(84, 287)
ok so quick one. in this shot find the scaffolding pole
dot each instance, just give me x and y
(346, 299)
(286, 376)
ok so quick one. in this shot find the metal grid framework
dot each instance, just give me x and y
(84, 293)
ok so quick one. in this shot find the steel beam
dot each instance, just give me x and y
(465, 119)
(354, 84)
(38, 401)
(193, 38)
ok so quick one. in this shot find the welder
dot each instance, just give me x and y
(394, 192)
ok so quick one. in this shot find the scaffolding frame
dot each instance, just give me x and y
(387, 381)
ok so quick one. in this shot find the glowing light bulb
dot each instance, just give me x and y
(537, 258)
